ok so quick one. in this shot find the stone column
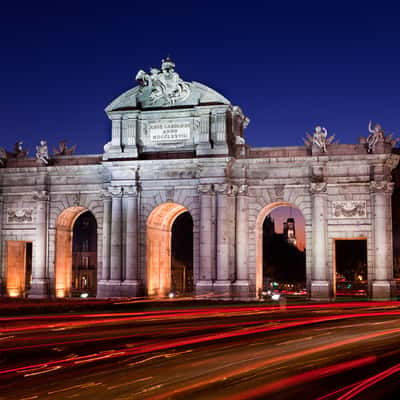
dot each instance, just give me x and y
(116, 126)
(207, 245)
(241, 285)
(204, 145)
(223, 284)
(116, 241)
(39, 287)
(218, 131)
(129, 129)
(319, 276)
(131, 283)
(383, 272)
(103, 287)
(114, 146)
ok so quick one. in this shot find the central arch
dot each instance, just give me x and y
(259, 239)
(158, 247)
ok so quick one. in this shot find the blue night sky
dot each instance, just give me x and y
(288, 66)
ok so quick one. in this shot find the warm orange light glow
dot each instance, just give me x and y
(63, 265)
(259, 239)
(16, 261)
(158, 251)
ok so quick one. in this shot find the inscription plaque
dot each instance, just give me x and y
(169, 131)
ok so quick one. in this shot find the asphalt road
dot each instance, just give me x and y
(324, 352)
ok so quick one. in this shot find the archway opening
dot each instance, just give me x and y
(182, 254)
(351, 267)
(281, 252)
(18, 267)
(169, 250)
(396, 229)
(84, 256)
(74, 226)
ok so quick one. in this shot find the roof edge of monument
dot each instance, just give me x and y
(202, 95)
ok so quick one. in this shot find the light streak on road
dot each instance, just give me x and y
(304, 378)
(368, 382)
(221, 346)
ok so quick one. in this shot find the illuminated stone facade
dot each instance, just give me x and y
(178, 146)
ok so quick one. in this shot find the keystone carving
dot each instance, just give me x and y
(318, 187)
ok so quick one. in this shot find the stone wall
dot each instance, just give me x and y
(341, 196)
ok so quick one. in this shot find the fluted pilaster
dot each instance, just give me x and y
(207, 235)
(319, 276)
(383, 269)
(39, 287)
(116, 235)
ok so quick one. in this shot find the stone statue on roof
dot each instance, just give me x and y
(376, 135)
(42, 152)
(319, 139)
(162, 87)
(3, 156)
(19, 151)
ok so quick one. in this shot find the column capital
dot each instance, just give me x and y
(130, 191)
(115, 191)
(41, 195)
(225, 189)
(381, 187)
(206, 188)
(106, 195)
(131, 116)
(242, 190)
(318, 187)
(115, 117)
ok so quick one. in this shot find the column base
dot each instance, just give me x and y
(220, 149)
(111, 151)
(241, 290)
(223, 289)
(39, 289)
(320, 290)
(382, 290)
(204, 288)
(131, 288)
(203, 149)
(111, 288)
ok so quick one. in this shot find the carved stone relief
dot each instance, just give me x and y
(349, 209)
(21, 215)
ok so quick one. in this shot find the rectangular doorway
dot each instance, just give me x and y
(18, 267)
(351, 271)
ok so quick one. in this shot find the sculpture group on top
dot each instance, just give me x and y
(320, 138)
(162, 87)
(42, 152)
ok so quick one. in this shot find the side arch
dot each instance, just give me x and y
(259, 238)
